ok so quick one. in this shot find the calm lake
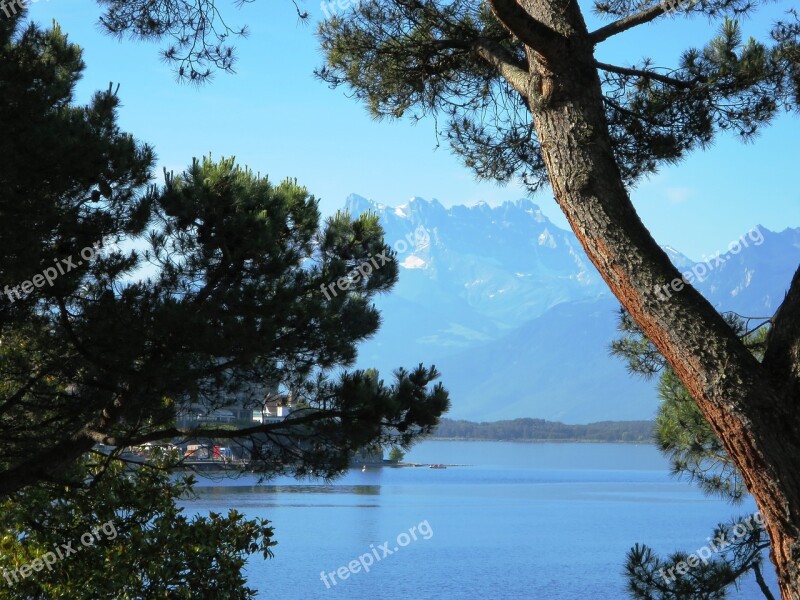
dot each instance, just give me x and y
(528, 521)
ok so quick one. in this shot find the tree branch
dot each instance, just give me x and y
(647, 74)
(512, 70)
(18, 396)
(42, 465)
(761, 583)
(633, 115)
(99, 437)
(530, 32)
(629, 22)
(77, 343)
(782, 356)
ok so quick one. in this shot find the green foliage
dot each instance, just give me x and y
(200, 35)
(93, 169)
(684, 436)
(729, 84)
(396, 455)
(146, 547)
(728, 554)
(407, 56)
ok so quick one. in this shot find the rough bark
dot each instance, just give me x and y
(754, 415)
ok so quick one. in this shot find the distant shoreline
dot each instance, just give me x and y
(540, 431)
(538, 441)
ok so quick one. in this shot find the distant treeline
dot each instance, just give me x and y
(541, 430)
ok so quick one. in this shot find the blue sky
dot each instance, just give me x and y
(277, 119)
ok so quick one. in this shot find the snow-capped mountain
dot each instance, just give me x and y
(507, 263)
(510, 309)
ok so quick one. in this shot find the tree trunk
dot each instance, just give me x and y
(752, 412)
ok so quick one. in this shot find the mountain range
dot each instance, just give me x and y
(511, 311)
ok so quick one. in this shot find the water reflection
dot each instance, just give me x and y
(358, 490)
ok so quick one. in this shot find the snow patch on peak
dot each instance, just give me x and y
(546, 239)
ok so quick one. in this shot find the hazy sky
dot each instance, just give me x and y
(277, 119)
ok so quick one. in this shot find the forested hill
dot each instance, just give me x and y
(541, 430)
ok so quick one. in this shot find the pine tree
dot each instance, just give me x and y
(521, 94)
(224, 285)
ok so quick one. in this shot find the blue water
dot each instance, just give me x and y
(527, 521)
